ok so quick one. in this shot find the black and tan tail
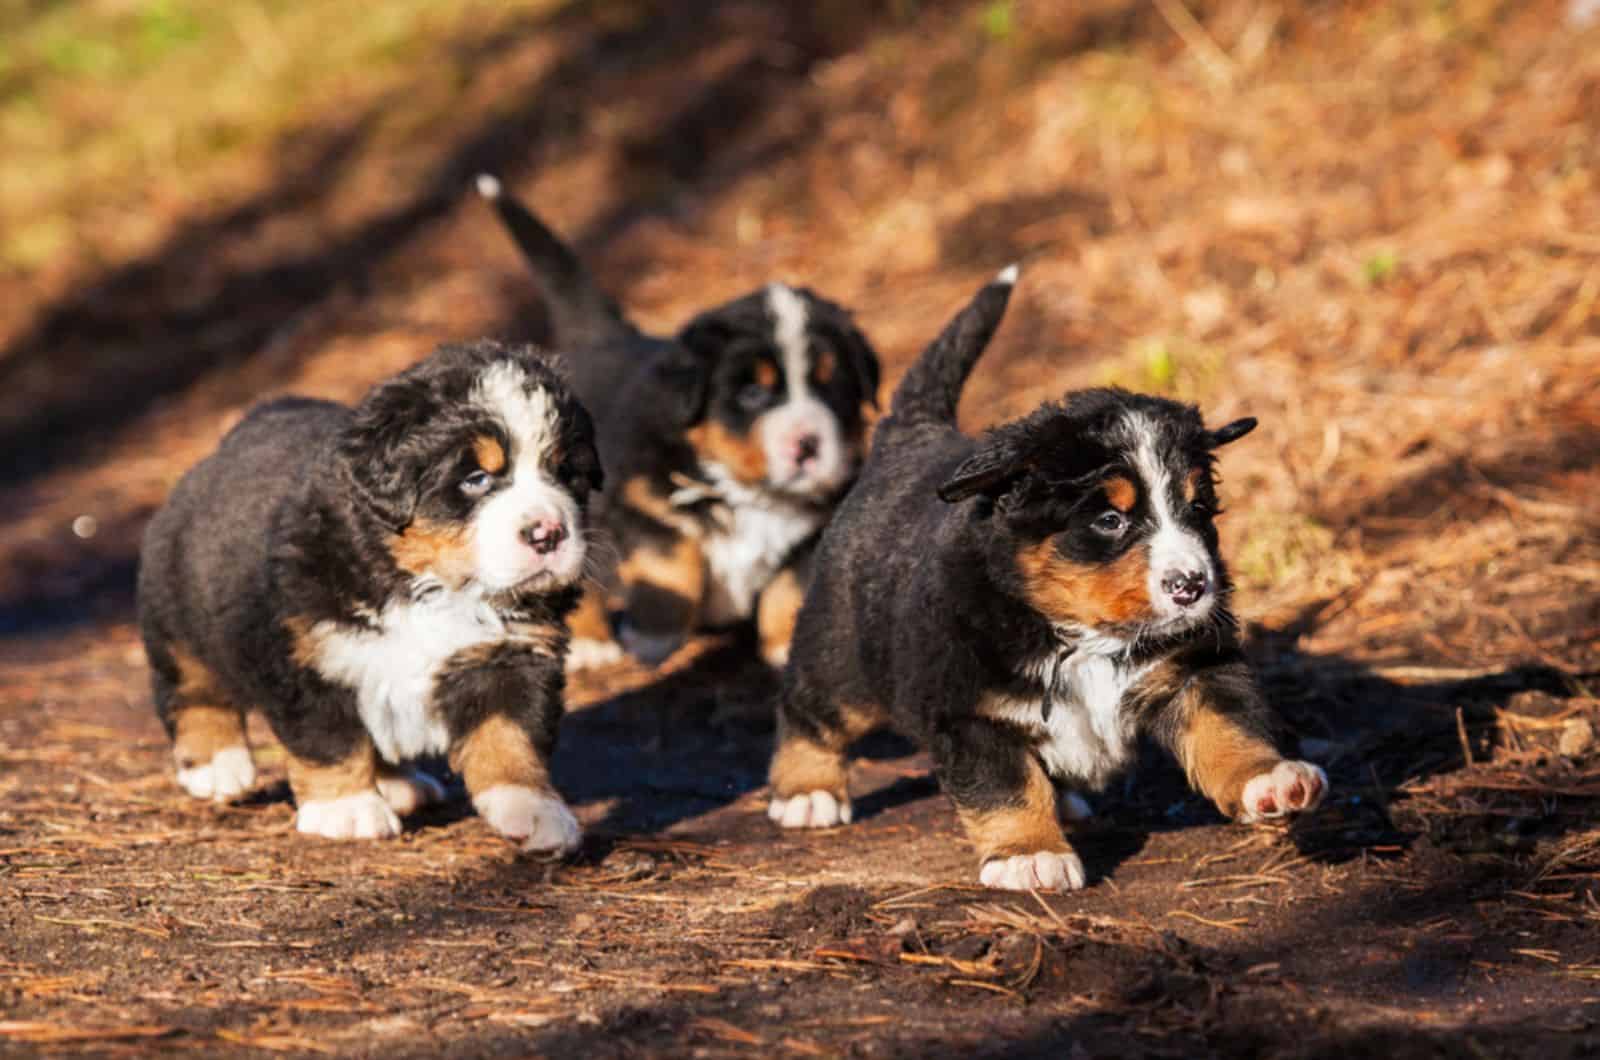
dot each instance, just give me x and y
(931, 388)
(580, 311)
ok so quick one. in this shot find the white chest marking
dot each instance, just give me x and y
(1087, 737)
(393, 668)
(745, 556)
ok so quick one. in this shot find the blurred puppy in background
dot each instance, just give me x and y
(726, 446)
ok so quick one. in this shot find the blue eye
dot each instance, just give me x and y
(1110, 524)
(753, 396)
(477, 483)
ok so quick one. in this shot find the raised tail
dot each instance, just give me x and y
(581, 313)
(931, 388)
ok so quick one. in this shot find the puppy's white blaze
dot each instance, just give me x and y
(1278, 786)
(503, 560)
(488, 186)
(1173, 547)
(229, 774)
(789, 320)
(409, 793)
(393, 667)
(361, 816)
(814, 809)
(535, 820)
(1042, 871)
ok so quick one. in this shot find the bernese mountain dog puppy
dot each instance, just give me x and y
(384, 583)
(1026, 605)
(727, 447)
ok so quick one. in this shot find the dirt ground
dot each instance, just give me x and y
(1374, 226)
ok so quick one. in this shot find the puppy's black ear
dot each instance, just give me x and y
(373, 449)
(842, 333)
(685, 370)
(1230, 433)
(585, 456)
(989, 471)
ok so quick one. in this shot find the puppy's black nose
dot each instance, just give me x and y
(545, 536)
(806, 448)
(1184, 586)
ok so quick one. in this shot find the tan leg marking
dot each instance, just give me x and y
(341, 800)
(803, 764)
(664, 586)
(209, 746)
(1027, 828)
(1220, 755)
(498, 751)
(201, 731)
(510, 787)
(776, 613)
(322, 782)
(589, 620)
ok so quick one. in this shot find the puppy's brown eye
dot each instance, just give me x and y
(1111, 524)
(477, 483)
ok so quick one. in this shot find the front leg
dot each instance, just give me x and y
(779, 608)
(336, 794)
(1220, 729)
(663, 581)
(1007, 804)
(503, 704)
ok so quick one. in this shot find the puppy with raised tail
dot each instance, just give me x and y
(1026, 604)
(384, 583)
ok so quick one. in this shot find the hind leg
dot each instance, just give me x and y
(209, 747)
(407, 789)
(810, 783)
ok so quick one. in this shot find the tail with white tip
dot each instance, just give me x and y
(931, 388)
(581, 313)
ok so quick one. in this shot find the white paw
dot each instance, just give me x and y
(228, 775)
(776, 656)
(361, 816)
(815, 809)
(409, 792)
(1044, 871)
(536, 821)
(1076, 808)
(1291, 787)
(585, 653)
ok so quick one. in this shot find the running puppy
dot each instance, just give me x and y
(727, 447)
(1063, 595)
(383, 582)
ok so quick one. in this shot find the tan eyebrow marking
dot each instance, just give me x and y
(490, 453)
(1122, 493)
(766, 374)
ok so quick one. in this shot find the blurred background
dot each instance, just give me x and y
(1373, 225)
